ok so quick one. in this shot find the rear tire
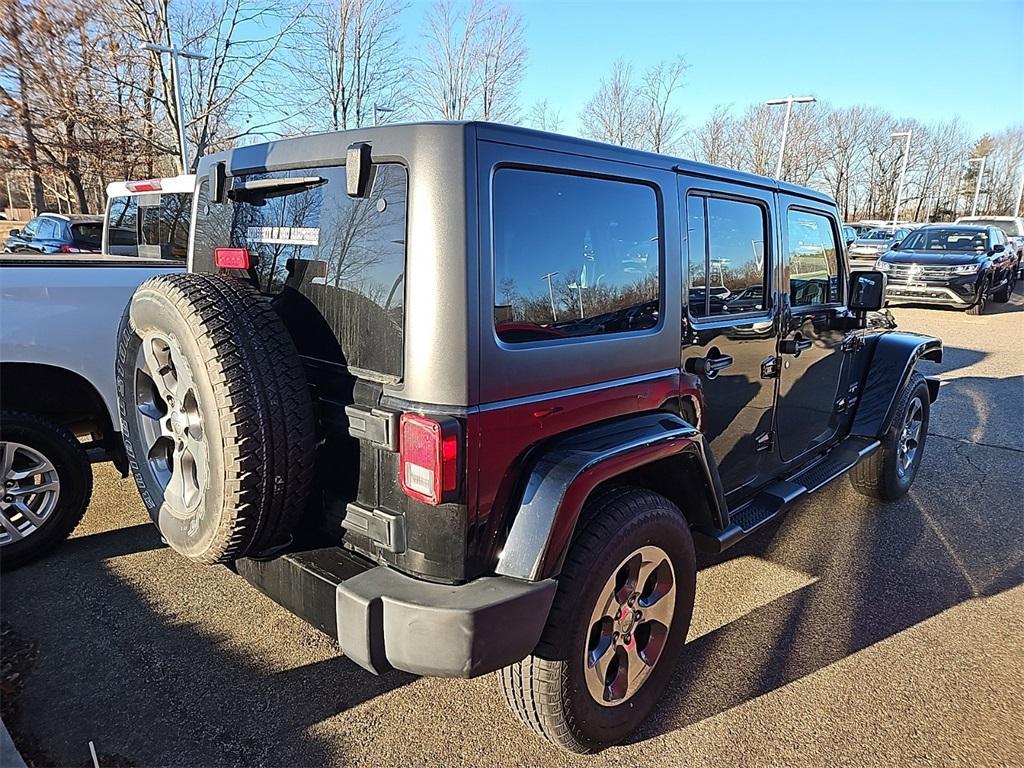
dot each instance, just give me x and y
(63, 476)
(636, 538)
(216, 415)
(887, 474)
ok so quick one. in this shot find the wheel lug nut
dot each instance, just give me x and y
(8, 484)
(8, 499)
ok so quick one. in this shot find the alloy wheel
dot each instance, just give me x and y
(629, 626)
(30, 493)
(171, 426)
(909, 440)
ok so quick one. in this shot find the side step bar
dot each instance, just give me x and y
(774, 499)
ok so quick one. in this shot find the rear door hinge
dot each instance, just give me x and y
(764, 442)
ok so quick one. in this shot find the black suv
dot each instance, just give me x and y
(952, 264)
(469, 397)
(56, 233)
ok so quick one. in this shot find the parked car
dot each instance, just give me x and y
(861, 229)
(876, 242)
(56, 233)
(59, 319)
(427, 392)
(958, 265)
(1012, 227)
(850, 234)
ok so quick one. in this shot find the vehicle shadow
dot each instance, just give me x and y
(121, 659)
(869, 570)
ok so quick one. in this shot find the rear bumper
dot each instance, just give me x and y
(385, 620)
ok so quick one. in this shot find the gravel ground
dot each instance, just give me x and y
(847, 634)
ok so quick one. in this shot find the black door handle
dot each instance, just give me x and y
(795, 346)
(709, 366)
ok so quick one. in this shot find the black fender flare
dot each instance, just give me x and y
(892, 361)
(565, 474)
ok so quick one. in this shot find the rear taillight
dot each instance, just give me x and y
(428, 458)
(231, 258)
(72, 249)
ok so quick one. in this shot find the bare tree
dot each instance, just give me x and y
(662, 123)
(352, 61)
(543, 117)
(637, 114)
(472, 62)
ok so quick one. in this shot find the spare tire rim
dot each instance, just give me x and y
(629, 626)
(910, 437)
(30, 493)
(171, 425)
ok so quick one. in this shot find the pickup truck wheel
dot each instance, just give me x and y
(216, 415)
(618, 623)
(47, 482)
(1003, 294)
(888, 473)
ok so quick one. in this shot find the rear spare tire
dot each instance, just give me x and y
(216, 415)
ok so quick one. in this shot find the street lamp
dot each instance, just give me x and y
(903, 172)
(377, 108)
(977, 185)
(175, 54)
(789, 101)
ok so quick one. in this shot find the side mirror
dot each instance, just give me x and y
(867, 290)
(998, 248)
(14, 233)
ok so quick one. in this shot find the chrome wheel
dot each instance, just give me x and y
(629, 626)
(30, 493)
(910, 437)
(171, 425)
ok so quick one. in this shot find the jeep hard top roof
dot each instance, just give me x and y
(329, 148)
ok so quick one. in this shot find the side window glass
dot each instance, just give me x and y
(48, 230)
(813, 268)
(573, 255)
(122, 231)
(727, 270)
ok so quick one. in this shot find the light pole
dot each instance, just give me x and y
(1020, 194)
(903, 173)
(377, 108)
(551, 294)
(789, 101)
(977, 184)
(175, 54)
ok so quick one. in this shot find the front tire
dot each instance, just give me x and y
(47, 484)
(978, 307)
(888, 473)
(619, 621)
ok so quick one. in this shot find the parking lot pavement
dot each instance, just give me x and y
(847, 634)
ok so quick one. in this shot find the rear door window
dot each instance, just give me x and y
(336, 264)
(574, 255)
(728, 271)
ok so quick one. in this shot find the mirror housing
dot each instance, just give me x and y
(867, 290)
(14, 233)
(998, 248)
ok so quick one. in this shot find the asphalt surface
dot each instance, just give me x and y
(850, 633)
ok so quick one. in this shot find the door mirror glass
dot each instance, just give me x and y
(867, 290)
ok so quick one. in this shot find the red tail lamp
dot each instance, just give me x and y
(428, 458)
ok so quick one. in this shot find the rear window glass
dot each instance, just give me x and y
(573, 255)
(152, 225)
(336, 264)
(90, 233)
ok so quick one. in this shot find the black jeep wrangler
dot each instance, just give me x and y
(468, 397)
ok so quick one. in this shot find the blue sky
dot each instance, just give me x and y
(926, 59)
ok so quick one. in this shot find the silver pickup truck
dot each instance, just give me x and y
(59, 319)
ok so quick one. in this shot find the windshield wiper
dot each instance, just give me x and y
(258, 190)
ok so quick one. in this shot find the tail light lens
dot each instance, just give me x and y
(231, 258)
(428, 458)
(72, 249)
